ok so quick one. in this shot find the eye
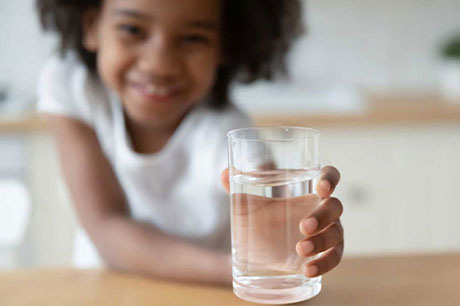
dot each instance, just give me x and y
(130, 30)
(195, 39)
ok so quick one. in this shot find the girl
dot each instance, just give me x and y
(138, 102)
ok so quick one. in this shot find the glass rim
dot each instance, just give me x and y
(231, 134)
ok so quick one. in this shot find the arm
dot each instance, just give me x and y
(101, 207)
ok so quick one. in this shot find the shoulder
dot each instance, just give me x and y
(212, 128)
(60, 69)
(228, 118)
(208, 126)
(66, 87)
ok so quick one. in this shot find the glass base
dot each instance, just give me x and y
(276, 290)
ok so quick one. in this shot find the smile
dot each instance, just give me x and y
(159, 90)
(159, 93)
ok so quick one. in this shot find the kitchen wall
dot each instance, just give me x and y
(388, 44)
(23, 48)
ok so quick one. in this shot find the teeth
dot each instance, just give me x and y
(149, 89)
(157, 90)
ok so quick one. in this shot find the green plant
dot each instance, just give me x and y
(451, 49)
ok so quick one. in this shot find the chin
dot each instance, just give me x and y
(154, 119)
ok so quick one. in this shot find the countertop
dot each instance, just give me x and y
(24, 123)
(378, 109)
(383, 109)
(381, 281)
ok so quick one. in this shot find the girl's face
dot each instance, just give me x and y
(160, 56)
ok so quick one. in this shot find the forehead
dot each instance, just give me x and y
(166, 11)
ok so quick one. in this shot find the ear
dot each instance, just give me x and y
(90, 30)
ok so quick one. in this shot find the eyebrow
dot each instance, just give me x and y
(131, 13)
(203, 24)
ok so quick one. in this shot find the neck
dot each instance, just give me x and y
(149, 139)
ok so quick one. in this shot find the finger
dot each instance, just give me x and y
(328, 212)
(330, 237)
(329, 179)
(325, 263)
(224, 178)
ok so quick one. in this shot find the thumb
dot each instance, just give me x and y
(224, 179)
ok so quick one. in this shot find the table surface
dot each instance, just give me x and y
(390, 281)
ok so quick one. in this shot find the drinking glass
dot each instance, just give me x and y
(273, 175)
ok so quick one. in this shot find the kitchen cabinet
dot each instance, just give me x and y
(50, 235)
(14, 198)
(43, 229)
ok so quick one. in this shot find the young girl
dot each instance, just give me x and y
(138, 102)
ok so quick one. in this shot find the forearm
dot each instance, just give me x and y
(132, 246)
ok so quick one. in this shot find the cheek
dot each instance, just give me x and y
(113, 62)
(203, 71)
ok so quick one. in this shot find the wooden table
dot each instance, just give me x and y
(389, 281)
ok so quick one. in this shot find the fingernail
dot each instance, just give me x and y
(307, 247)
(310, 225)
(311, 270)
(325, 185)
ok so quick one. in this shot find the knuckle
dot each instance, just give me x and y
(335, 205)
(327, 264)
(329, 168)
(336, 255)
(329, 238)
(337, 173)
(335, 201)
(340, 231)
(332, 260)
(336, 232)
(330, 201)
(331, 171)
(331, 209)
(323, 214)
(319, 243)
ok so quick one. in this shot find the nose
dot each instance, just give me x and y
(159, 58)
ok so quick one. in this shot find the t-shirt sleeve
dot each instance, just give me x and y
(61, 86)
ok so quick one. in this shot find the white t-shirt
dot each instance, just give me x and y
(177, 189)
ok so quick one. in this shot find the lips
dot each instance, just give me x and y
(155, 92)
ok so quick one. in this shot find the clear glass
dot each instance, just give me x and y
(273, 175)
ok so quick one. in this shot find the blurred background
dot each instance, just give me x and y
(379, 79)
